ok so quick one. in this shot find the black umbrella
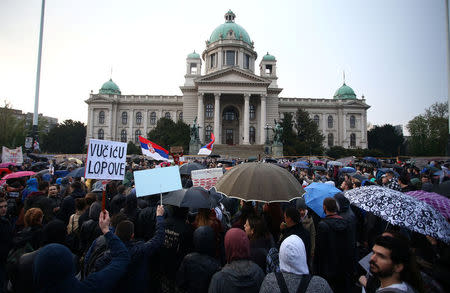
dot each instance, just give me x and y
(186, 169)
(359, 177)
(319, 168)
(77, 173)
(194, 197)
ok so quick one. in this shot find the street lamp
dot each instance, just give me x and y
(267, 133)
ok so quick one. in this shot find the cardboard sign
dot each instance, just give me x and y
(12, 155)
(156, 181)
(106, 160)
(206, 178)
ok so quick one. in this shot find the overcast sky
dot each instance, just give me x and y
(393, 51)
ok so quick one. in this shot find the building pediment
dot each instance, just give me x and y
(99, 99)
(232, 75)
(357, 104)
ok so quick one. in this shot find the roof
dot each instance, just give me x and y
(110, 88)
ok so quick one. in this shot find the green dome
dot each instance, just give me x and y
(194, 55)
(345, 93)
(110, 88)
(229, 24)
(268, 57)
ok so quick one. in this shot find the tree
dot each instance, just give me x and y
(429, 131)
(288, 137)
(386, 139)
(12, 129)
(68, 137)
(132, 149)
(310, 139)
(168, 133)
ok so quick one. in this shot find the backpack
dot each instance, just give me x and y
(97, 259)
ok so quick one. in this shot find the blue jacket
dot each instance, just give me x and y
(54, 270)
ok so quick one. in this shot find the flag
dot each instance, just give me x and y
(153, 150)
(207, 149)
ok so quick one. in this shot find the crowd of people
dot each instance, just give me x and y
(55, 236)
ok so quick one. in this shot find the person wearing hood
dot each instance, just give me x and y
(53, 268)
(333, 255)
(198, 267)
(239, 274)
(68, 203)
(32, 186)
(90, 229)
(294, 271)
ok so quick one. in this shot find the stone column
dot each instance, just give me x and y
(217, 118)
(131, 117)
(200, 116)
(91, 124)
(263, 119)
(344, 127)
(110, 123)
(325, 123)
(246, 118)
(145, 123)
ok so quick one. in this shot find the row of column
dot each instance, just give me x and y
(217, 122)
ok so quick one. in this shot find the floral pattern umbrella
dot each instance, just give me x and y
(439, 202)
(401, 210)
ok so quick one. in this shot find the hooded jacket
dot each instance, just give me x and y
(53, 269)
(240, 274)
(293, 265)
(197, 268)
(32, 186)
(90, 230)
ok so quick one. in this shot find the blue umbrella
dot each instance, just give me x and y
(316, 193)
(300, 164)
(371, 159)
(347, 170)
(61, 173)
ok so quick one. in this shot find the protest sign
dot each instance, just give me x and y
(156, 181)
(106, 160)
(206, 178)
(12, 155)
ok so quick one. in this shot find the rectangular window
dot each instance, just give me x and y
(230, 58)
(193, 68)
(268, 69)
(212, 60)
(246, 61)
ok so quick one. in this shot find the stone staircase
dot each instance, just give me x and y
(238, 151)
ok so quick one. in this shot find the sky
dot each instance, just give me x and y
(392, 51)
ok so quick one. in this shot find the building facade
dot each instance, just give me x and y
(229, 99)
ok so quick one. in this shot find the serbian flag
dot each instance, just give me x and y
(207, 149)
(153, 150)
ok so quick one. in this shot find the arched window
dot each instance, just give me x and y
(353, 140)
(124, 118)
(153, 118)
(101, 117)
(137, 133)
(208, 131)
(101, 134)
(209, 110)
(252, 111)
(352, 121)
(252, 134)
(138, 118)
(330, 140)
(229, 114)
(316, 119)
(123, 135)
(180, 116)
(167, 115)
(330, 121)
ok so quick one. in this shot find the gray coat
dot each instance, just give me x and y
(316, 284)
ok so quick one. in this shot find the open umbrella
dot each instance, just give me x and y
(319, 168)
(443, 188)
(334, 163)
(76, 161)
(18, 174)
(315, 194)
(371, 159)
(61, 173)
(439, 202)
(194, 197)
(318, 162)
(77, 173)
(401, 210)
(7, 164)
(186, 169)
(300, 164)
(260, 182)
(358, 177)
(347, 170)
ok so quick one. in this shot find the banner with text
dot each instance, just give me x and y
(106, 160)
(206, 178)
(12, 155)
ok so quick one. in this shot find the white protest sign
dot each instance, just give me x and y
(206, 178)
(12, 155)
(106, 160)
(156, 181)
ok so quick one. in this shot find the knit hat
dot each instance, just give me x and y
(53, 264)
(293, 256)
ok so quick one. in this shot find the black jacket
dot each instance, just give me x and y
(301, 232)
(5, 239)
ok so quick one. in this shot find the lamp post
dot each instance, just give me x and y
(267, 133)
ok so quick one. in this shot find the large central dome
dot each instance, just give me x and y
(223, 30)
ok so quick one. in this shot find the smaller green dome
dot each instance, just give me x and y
(110, 88)
(268, 57)
(194, 55)
(345, 93)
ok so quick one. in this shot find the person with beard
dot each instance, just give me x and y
(393, 264)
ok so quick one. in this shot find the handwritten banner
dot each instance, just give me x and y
(106, 160)
(12, 155)
(206, 178)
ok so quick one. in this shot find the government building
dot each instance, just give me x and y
(228, 99)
